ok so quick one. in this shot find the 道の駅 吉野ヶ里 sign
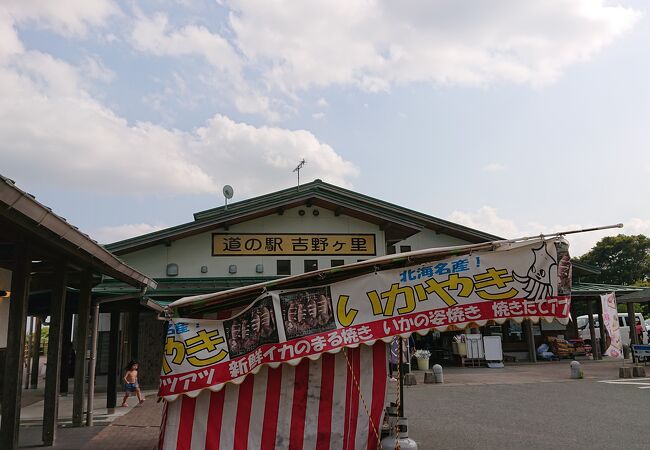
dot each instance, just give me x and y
(516, 281)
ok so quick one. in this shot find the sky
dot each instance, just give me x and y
(511, 117)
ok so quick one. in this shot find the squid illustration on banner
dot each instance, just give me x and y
(526, 280)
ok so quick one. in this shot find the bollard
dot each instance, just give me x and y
(638, 371)
(437, 373)
(409, 379)
(428, 377)
(403, 441)
(576, 370)
(625, 372)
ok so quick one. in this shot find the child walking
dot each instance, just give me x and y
(131, 383)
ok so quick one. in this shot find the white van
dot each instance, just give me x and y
(583, 327)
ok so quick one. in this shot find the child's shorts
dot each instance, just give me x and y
(130, 387)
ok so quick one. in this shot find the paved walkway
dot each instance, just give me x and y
(138, 427)
(137, 430)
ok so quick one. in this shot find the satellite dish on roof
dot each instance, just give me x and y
(228, 191)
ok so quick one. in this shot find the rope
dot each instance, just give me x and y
(363, 401)
(397, 396)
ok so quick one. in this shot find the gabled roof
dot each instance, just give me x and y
(595, 289)
(397, 222)
(21, 209)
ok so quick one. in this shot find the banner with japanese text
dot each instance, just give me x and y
(515, 281)
(612, 328)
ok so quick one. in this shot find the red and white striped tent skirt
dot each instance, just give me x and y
(335, 402)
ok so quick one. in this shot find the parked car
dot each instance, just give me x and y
(583, 327)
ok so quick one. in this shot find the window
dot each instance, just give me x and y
(337, 262)
(391, 250)
(284, 267)
(404, 248)
(311, 265)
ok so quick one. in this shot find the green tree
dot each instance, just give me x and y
(621, 259)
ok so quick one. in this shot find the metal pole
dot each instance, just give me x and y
(603, 330)
(561, 233)
(37, 352)
(91, 366)
(30, 349)
(592, 330)
(401, 377)
(631, 321)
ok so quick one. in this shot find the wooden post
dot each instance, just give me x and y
(592, 330)
(91, 366)
(37, 352)
(66, 350)
(12, 386)
(530, 340)
(113, 358)
(134, 330)
(83, 313)
(603, 329)
(54, 351)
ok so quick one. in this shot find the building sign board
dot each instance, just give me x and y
(311, 244)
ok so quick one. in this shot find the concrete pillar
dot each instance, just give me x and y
(530, 340)
(12, 387)
(113, 358)
(36, 356)
(54, 351)
(83, 313)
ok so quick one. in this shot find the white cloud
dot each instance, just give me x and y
(109, 234)
(94, 68)
(269, 52)
(154, 35)
(318, 115)
(374, 44)
(487, 219)
(258, 159)
(494, 167)
(66, 17)
(55, 131)
(322, 103)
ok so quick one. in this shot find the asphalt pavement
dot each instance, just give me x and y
(542, 410)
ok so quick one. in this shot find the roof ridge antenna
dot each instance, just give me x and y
(300, 165)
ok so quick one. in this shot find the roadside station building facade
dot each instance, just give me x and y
(296, 230)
